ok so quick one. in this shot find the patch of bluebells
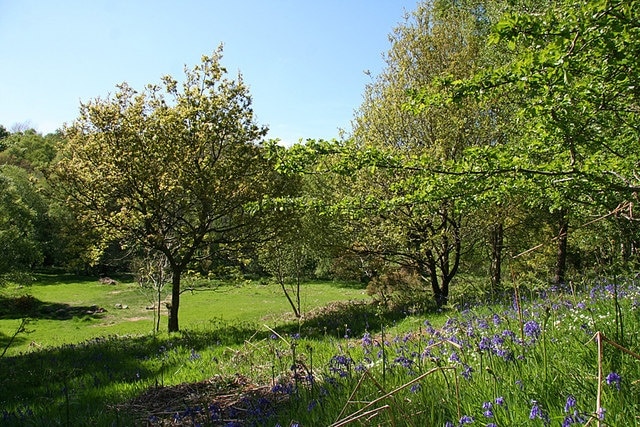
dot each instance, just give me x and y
(340, 365)
(465, 341)
(487, 408)
(573, 416)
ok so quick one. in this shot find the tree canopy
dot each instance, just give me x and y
(176, 168)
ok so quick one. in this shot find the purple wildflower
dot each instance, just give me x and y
(194, 355)
(366, 339)
(500, 401)
(466, 373)
(466, 419)
(614, 380)
(571, 402)
(485, 344)
(532, 329)
(496, 319)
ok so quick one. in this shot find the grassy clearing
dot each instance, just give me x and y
(533, 363)
(68, 309)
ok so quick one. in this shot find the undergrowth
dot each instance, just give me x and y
(563, 356)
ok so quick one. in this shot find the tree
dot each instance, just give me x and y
(152, 274)
(177, 169)
(573, 70)
(20, 249)
(4, 133)
(420, 226)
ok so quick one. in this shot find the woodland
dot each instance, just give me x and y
(499, 145)
(484, 198)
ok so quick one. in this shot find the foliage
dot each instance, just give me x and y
(176, 169)
(576, 100)
(19, 208)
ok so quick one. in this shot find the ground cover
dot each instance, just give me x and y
(567, 356)
(70, 309)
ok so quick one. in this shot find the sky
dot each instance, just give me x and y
(303, 60)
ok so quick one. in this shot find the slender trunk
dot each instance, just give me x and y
(497, 240)
(561, 253)
(175, 301)
(291, 303)
(159, 308)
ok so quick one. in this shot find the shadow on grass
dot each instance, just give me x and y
(348, 319)
(9, 338)
(106, 371)
(29, 306)
(47, 279)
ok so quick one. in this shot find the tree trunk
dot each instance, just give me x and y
(296, 309)
(432, 273)
(561, 257)
(497, 240)
(175, 301)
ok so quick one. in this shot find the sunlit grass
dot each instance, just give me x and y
(532, 363)
(67, 308)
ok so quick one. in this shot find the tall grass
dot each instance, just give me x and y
(566, 357)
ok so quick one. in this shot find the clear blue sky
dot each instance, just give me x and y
(304, 60)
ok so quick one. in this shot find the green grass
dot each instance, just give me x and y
(537, 366)
(65, 308)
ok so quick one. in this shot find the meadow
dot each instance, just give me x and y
(559, 356)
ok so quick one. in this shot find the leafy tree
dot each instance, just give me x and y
(423, 221)
(19, 246)
(30, 150)
(4, 133)
(175, 168)
(573, 70)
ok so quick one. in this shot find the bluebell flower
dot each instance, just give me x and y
(406, 362)
(366, 339)
(614, 380)
(484, 344)
(466, 419)
(496, 319)
(500, 401)
(532, 329)
(571, 402)
(466, 373)
(536, 412)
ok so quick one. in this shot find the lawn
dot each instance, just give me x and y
(70, 309)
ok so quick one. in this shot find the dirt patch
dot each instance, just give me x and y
(217, 401)
(135, 319)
